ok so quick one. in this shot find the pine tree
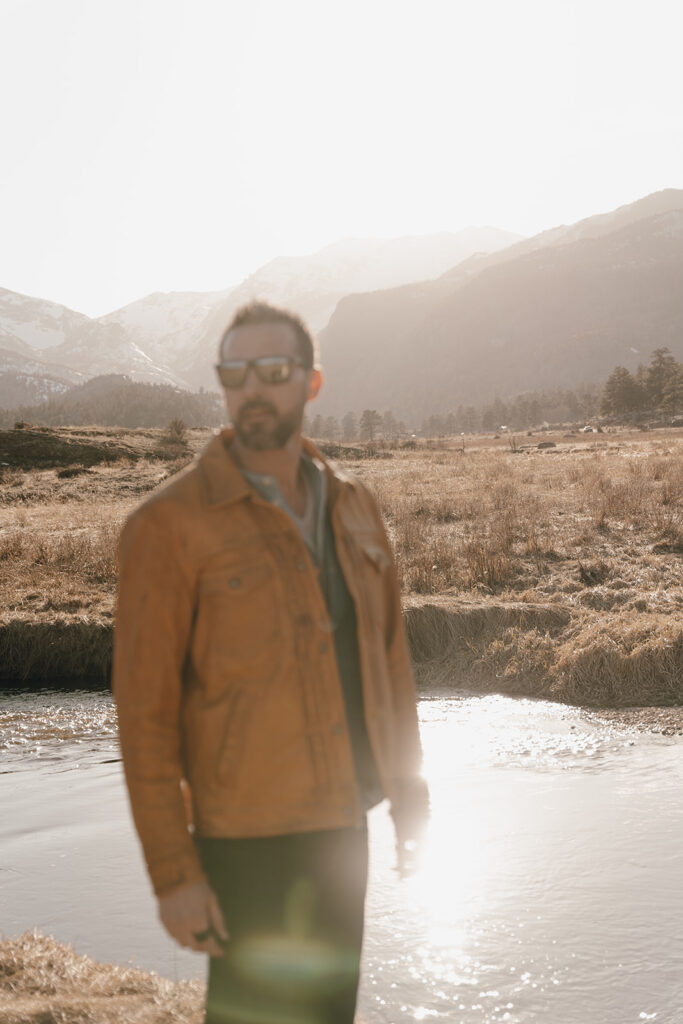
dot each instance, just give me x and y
(318, 427)
(672, 395)
(621, 393)
(662, 369)
(389, 425)
(369, 423)
(331, 429)
(349, 427)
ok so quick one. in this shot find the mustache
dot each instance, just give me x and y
(257, 405)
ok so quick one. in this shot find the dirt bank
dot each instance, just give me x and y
(521, 648)
(549, 650)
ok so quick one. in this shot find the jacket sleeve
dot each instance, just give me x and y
(410, 803)
(153, 625)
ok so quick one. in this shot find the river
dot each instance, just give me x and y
(551, 888)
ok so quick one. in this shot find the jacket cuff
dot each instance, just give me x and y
(170, 875)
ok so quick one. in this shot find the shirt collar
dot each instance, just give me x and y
(224, 482)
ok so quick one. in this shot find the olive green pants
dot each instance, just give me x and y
(294, 908)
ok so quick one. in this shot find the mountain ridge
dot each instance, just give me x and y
(562, 307)
(558, 315)
(172, 337)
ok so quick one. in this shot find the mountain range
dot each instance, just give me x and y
(418, 325)
(561, 309)
(171, 338)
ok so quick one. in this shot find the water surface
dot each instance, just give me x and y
(551, 888)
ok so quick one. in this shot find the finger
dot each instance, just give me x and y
(214, 949)
(192, 936)
(210, 946)
(182, 935)
(216, 919)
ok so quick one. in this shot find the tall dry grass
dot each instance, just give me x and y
(43, 981)
(592, 530)
(87, 553)
(503, 523)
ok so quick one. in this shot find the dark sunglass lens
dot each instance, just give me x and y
(274, 369)
(232, 375)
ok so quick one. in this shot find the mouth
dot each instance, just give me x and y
(256, 412)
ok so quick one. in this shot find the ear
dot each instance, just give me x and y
(315, 383)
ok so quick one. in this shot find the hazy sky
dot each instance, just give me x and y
(178, 144)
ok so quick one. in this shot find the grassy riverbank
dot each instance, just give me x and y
(551, 572)
(43, 981)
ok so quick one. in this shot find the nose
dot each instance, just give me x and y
(253, 385)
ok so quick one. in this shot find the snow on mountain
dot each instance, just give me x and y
(56, 342)
(100, 349)
(10, 343)
(37, 322)
(26, 380)
(166, 324)
(19, 363)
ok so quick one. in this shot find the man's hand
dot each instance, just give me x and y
(193, 917)
(411, 817)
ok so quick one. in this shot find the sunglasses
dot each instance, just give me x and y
(233, 373)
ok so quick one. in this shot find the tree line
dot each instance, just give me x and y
(655, 389)
(114, 400)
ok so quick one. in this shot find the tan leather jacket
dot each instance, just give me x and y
(225, 673)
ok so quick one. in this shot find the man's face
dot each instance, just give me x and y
(265, 416)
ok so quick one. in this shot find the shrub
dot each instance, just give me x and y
(176, 432)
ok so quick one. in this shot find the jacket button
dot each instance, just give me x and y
(301, 566)
(337, 729)
(323, 646)
(235, 582)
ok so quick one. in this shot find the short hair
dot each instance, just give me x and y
(255, 313)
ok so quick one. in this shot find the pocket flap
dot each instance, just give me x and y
(237, 577)
(376, 554)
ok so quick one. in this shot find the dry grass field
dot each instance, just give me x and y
(551, 572)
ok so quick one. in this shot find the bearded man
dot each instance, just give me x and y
(263, 680)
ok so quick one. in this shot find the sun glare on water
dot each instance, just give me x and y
(455, 859)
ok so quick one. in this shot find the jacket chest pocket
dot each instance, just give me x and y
(240, 622)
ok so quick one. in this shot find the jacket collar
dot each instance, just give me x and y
(223, 481)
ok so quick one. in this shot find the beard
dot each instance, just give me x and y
(271, 432)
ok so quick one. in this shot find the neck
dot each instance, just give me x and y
(280, 463)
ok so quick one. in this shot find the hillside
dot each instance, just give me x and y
(562, 314)
(36, 322)
(313, 285)
(25, 379)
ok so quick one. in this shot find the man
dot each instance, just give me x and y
(262, 677)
